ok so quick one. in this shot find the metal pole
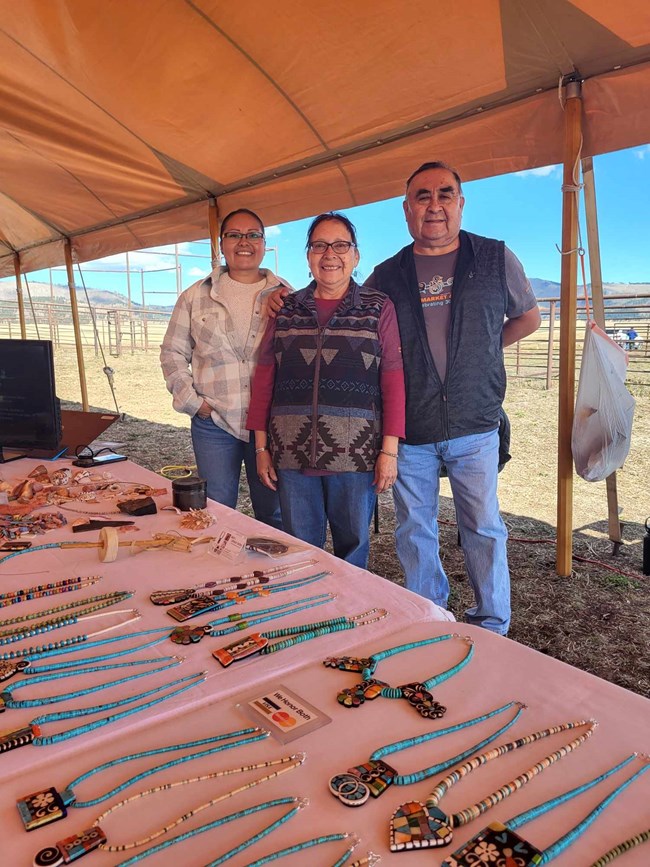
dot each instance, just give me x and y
(568, 313)
(551, 343)
(128, 280)
(19, 295)
(179, 279)
(75, 324)
(213, 226)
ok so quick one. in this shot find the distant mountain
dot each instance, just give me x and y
(98, 297)
(549, 289)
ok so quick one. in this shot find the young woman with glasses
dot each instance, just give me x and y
(208, 357)
(328, 398)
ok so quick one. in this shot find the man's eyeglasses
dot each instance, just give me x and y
(337, 246)
(250, 236)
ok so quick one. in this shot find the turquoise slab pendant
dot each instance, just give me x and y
(348, 663)
(422, 700)
(497, 845)
(355, 696)
(414, 826)
(41, 808)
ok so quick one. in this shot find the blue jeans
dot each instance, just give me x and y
(219, 457)
(472, 466)
(346, 500)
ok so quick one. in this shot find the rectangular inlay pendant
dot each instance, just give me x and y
(377, 776)
(495, 844)
(41, 808)
(80, 844)
(240, 649)
(192, 608)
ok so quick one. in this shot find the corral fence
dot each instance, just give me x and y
(127, 330)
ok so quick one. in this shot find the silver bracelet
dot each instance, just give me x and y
(388, 454)
(263, 449)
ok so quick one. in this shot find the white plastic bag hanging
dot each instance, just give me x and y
(602, 424)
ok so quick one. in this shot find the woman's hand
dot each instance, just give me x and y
(385, 472)
(276, 301)
(266, 471)
(205, 410)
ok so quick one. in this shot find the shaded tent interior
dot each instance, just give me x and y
(131, 125)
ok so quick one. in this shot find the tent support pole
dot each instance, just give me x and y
(598, 304)
(75, 324)
(568, 312)
(19, 295)
(213, 223)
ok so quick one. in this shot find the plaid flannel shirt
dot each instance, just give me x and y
(201, 360)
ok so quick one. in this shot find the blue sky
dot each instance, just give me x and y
(524, 209)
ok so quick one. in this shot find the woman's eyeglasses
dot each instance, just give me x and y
(237, 236)
(337, 246)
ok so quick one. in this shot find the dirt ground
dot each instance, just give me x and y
(597, 619)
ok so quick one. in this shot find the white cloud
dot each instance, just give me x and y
(198, 272)
(540, 172)
(273, 231)
(643, 152)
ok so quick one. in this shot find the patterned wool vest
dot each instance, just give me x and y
(326, 411)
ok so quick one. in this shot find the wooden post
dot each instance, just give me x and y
(591, 213)
(19, 295)
(213, 224)
(568, 312)
(75, 324)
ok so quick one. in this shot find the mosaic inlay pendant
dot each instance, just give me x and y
(414, 826)
(422, 700)
(355, 787)
(497, 845)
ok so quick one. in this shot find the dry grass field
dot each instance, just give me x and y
(597, 619)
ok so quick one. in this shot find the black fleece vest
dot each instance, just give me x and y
(470, 398)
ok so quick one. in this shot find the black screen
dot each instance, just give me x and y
(29, 408)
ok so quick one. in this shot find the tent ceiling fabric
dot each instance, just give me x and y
(119, 120)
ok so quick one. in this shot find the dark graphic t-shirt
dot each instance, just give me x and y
(435, 283)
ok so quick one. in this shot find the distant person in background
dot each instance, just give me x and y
(208, 357)
(328, 398)
(632, 336)
(460, 299)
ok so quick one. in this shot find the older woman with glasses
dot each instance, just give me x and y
(328, 398)
(208, 356)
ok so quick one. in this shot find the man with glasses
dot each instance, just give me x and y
(460, 298)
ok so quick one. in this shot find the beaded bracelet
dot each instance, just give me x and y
(388, 454)
(500, 839)
(621, 848)
(420, 826)
(418, 694)
(373, 778)
(48, 805)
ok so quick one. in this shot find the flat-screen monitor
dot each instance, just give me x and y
(29, 408)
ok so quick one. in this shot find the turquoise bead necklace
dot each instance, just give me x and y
(59, 852)
(371, 779)
(296, 804)
(8, 701)
(499, 838)
(192, 634)
(10, 636)
(418, 694)
(197, 605)
(258, 642)
(48, 805)
(31, 733)
(309, 844)
(424, 826)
